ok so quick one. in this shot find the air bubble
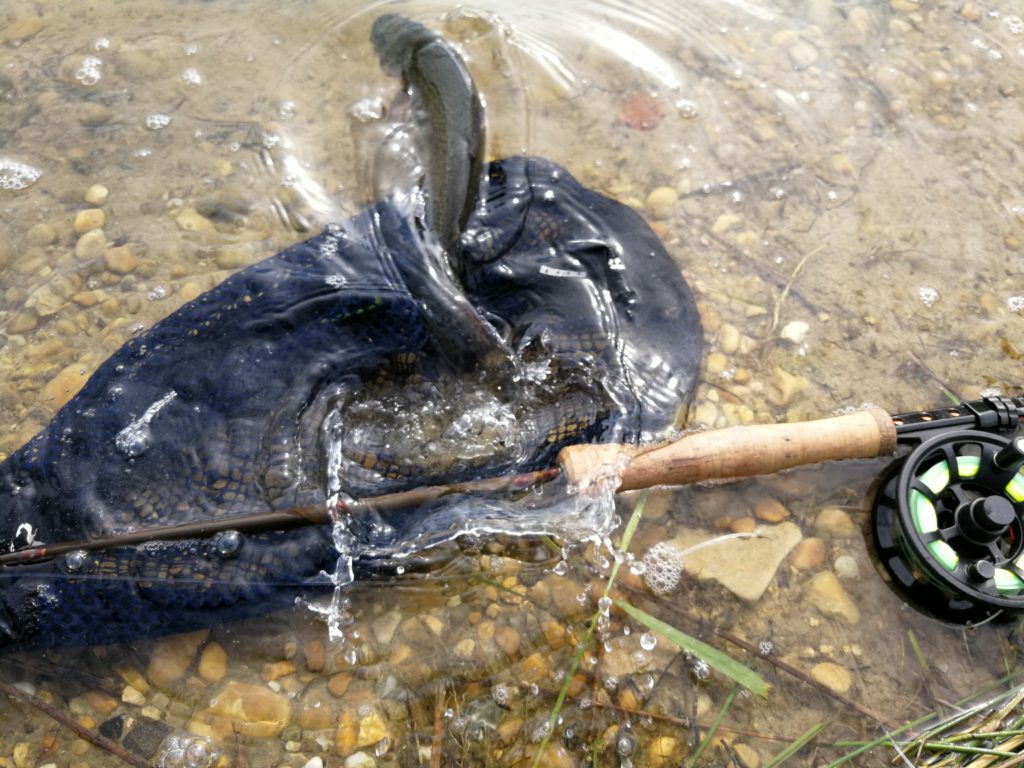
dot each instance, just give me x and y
(90, 71)
(185, 751)
(158, 292)
(648, 641)
(687, 108)
(75, 561)
(928, 296)
(286, 110)
(501, 695)
(1015, 304)
(625, 745)
(701, 669)
(191, 77)
(228, 544)
(561, 568)
(157, 121)
(367, 110)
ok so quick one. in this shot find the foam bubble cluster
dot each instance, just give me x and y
(15, 175)
(663, 566)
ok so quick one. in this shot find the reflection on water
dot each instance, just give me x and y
(835, 180)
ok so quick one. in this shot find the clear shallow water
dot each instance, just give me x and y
(862, 155)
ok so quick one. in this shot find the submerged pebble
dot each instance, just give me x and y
(96, 194)
(826, 594)
(833, 676)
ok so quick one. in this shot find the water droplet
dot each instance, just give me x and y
(75, 561)
(228, 544)
(648, 641)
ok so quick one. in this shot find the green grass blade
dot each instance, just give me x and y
(795, 747)
(714, 727)
(717, 660)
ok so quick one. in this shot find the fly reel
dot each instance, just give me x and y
(949, 518)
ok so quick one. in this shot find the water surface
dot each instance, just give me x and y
(837, 181)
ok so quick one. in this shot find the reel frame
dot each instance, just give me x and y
(948, 518)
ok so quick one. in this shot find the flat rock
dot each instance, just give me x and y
(248, 710)
(65, 385)
(743, 566)
(17, 31)
(832, 675)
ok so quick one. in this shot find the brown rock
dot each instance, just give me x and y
(808, 555)
(508, 639)
(826, 594)
(101, 703)
(832, 675)
(315, 654)
(91, 244)
(554, 633)
(89, 219)
(743, 525)
(213, 662)
(347, 734)
(277, 669)
(771, 511)
(248, 710)
(18, 31)
(65, 385)
(120, 260)
(316, 710)
(172, 657)
(85, 298)
(23, 322)
(40, 235)
(339, 683)
(834, 521)
(372, 730)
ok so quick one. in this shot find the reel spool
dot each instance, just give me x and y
(949, 524)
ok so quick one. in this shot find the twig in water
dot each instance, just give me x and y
(96, 739)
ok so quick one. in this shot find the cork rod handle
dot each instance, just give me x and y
(734, 452)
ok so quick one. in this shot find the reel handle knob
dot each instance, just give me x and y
(981, 571)
(985, 519)
(1011, 457)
